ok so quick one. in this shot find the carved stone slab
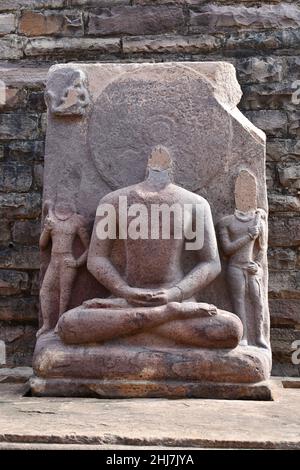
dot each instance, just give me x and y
(103, 122)
(188, 107)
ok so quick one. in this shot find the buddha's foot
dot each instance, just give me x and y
(193, 309)
(105, 303)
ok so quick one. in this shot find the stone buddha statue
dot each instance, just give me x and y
(144, 307)
(151, 327)
(153, 300)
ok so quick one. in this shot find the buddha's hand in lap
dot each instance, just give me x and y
(136, 297)
(152, 298)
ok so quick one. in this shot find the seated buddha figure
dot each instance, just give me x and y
(153, 297)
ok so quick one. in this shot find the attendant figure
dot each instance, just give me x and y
(62, 225)
(243, 239)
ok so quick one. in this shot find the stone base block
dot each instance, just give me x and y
(119, 370)
(148, 389)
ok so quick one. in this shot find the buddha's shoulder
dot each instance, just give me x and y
(189, 197)
(113, 197)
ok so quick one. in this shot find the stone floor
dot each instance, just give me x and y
(58, 423)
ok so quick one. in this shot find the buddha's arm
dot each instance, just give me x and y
(100, 265)
(209, 265)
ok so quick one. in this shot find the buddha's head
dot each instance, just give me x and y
(160, 161)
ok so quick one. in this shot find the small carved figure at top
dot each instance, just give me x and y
(62, 225)
(66, 93)
(243, 239)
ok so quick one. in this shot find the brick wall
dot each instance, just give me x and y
(262, 40)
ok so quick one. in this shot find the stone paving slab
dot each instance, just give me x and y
(30, 422)
(24, 446)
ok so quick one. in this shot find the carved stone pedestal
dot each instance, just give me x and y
(118, 371)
